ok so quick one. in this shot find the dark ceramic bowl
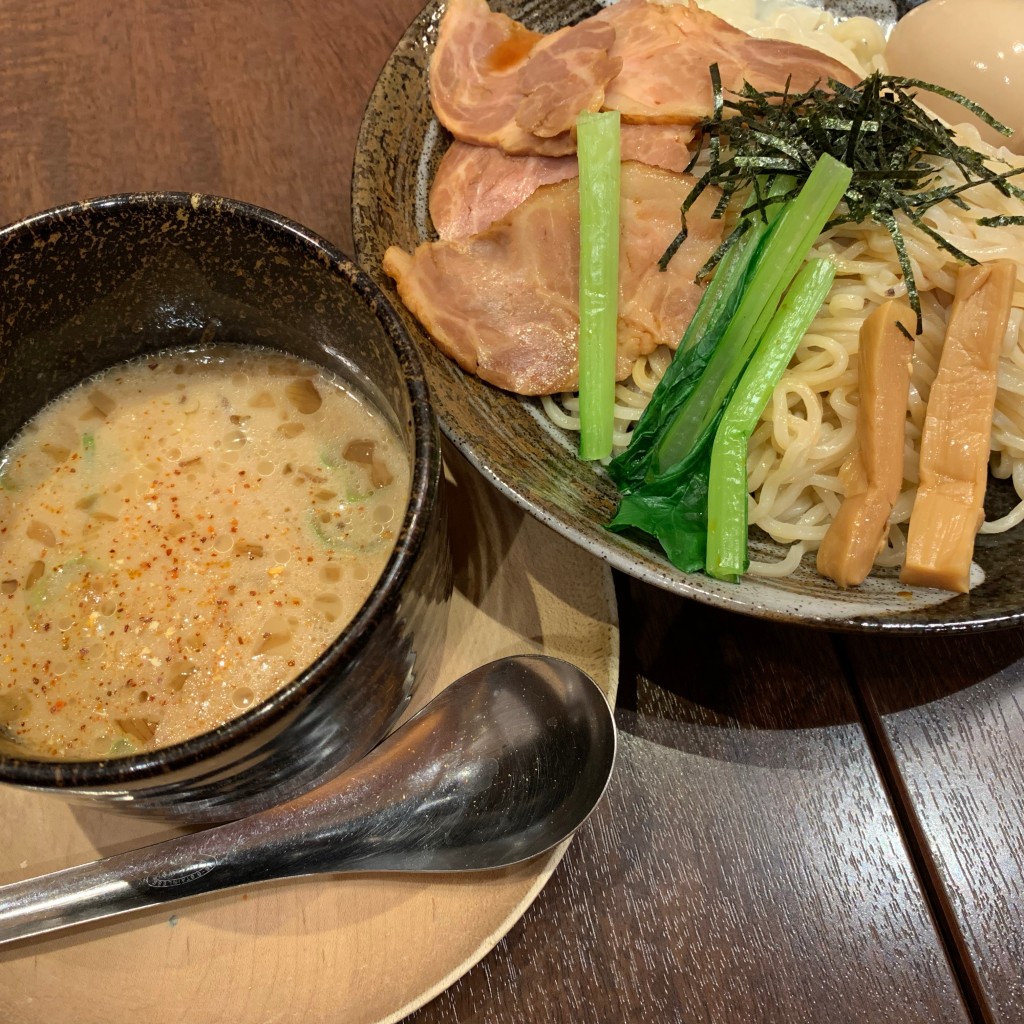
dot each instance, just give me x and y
(96, 283)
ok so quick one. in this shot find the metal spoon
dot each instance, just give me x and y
(504, 764)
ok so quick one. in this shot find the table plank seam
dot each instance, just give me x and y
(923, 863)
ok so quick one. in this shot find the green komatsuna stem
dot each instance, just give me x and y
(597, 145)
(717, 305)
(714, 310)
(784, 249)
(726, 557)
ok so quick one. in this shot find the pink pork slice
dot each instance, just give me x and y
(666, 52)
(478, 185)
(493, 82)
(504, 303)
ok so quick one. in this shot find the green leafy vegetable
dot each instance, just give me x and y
(664, 473)
(716, 308)
(730, 319)
(726, 556)
(678, 519)
(784, 249)
(597, 143)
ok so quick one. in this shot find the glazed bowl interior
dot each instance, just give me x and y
(94, 284)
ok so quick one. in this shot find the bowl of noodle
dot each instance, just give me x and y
(526, 446)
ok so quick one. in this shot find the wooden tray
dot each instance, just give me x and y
(355, 950)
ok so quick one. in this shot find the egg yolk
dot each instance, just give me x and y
(973, 47)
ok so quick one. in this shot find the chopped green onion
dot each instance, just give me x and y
(339, 543)
(597, 144)
(726, 556)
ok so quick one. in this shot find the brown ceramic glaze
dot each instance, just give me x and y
(511, 442)
(96, 283)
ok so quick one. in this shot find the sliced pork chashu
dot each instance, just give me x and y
(504, 303)
(666, 52)
(493, 82)
(477, 185)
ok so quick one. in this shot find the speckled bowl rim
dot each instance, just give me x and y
(67, 775)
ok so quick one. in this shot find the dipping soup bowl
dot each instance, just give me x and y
(96, 283)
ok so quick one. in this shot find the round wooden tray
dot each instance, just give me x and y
(355, 949)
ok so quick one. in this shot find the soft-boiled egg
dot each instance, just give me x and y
(975, 48)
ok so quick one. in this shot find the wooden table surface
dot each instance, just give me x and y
(803, 826)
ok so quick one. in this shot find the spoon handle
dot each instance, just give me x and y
(328, 829)
(185, 866)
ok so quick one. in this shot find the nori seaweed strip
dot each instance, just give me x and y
(915, 218)
(1003, 221)
(949, 94)
(888, 221)
(876, 127)
(724, 246)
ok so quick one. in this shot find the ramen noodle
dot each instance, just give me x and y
(807, 430)
(181, 537)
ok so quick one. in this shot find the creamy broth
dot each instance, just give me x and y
(179, 538)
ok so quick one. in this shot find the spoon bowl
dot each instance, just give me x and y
(503, 765)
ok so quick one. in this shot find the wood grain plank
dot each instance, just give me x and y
(745, 866)
(259, 102)
(951, 713)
